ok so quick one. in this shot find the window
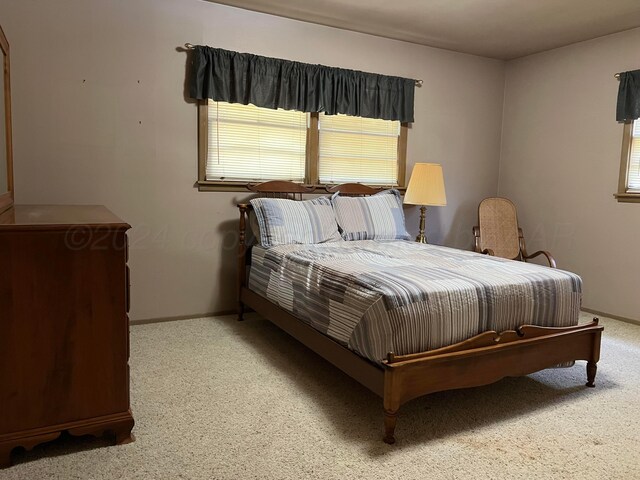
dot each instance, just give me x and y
(240, 144)
(629, 184)
(255, 144)
(355, 149)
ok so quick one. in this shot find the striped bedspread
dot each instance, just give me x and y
(377, 297)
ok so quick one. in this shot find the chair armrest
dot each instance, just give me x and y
(476, 247)
(550, 259)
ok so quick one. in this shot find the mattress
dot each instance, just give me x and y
(376, 297)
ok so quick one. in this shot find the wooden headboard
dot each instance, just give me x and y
(284, 189)
(353, 190)
(281, 189)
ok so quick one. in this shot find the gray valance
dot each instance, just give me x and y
(628, 96)
(244, 78)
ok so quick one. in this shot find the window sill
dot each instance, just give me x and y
(211, 186)
(627, 197)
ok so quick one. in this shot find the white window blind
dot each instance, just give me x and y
(633, 176)
(355, 149)
(248, 143)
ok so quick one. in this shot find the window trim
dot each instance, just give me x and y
(623, 195)
(312, 157)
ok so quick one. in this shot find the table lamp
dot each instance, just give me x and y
(426, 187)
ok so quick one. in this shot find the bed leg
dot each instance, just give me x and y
(240, 311)
(390, 419)
(592, 368)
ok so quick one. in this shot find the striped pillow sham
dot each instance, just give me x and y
(377, 217)
(283, 222)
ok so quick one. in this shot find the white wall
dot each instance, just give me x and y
(560, 161)
(100, 118)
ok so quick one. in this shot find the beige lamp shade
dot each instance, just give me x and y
(426, 186)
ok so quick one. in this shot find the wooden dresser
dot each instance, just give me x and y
(64, 330)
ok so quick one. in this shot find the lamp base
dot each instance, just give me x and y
(422, 238)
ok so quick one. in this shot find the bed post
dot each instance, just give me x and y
(242, 257)
(391, 400)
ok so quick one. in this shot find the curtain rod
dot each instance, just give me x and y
(190, 46)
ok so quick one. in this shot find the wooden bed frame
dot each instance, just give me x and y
(480, 360)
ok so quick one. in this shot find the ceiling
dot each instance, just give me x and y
(503, 29)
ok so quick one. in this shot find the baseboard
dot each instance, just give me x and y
(609, 315)
(146, 321)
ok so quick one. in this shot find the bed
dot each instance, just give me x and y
(406, 319)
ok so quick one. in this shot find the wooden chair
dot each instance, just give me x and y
(498, 232)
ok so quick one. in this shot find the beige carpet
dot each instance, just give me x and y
(218, 399)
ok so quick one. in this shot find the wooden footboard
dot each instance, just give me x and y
(485, 359)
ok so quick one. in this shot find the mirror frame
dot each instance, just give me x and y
(6, 199)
